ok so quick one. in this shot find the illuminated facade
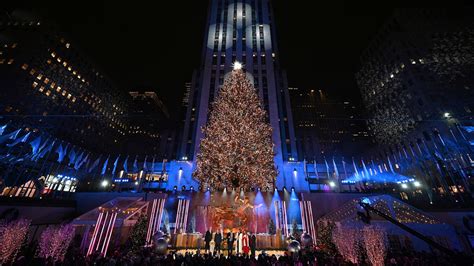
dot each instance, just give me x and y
(416, 81)
(48, 85)
(416, 76)
(242, 31)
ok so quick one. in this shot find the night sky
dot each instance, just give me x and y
(153, 45)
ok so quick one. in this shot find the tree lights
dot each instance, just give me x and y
(237, 150)
(12, 235)
(55, 241)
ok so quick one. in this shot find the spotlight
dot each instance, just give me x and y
(183, 188)
(192, 188)
(417, 184)
(136, 183)
(404, 186)
(175, 188)
(292, 188)
(332, 184)
(447, 115)
(276, 189)
(104, 183)
(431, 202)
(284, 188)
(208, 188)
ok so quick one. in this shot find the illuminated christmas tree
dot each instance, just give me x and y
(237, 148)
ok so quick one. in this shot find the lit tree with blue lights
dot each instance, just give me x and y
(237, 148)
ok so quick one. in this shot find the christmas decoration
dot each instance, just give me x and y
(346, 240)
(12, 236)
(237, 148)
(294, 229)
(55, 241)
(375, 244)
(324, 239)
(294, 246)
(271, 227)
(138, 234)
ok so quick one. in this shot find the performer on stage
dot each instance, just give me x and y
(218, 240)
(253, 245)
(230, 243)
(238, 246)
(245, 243)
(212, 244)
(207, 240)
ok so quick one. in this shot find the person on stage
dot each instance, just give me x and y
(230, 243)
(212, 244)
(218, 241)
(253, 245)
(238, 245)
(245, 243)
(207, 240)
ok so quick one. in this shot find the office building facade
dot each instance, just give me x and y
(243, 31)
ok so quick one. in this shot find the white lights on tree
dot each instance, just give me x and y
(346, 240)
(237, 148)
(375, 245)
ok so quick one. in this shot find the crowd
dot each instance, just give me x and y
(148, 257)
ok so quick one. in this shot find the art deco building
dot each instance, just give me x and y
(244, 31)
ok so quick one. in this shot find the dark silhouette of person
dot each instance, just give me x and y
(230, 243)
(253, 245)
(218, 240)
(207, 240)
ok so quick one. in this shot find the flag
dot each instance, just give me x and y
(327, 166)
(365, 169)
(11, 135)
(20, 140)
(72, 156)
(45, 150)
(153, 164)
(144, 164)
(355, 168)
(2, 129)
(78, 160)
(336, 172)
(95, 164)
(115, 165)
(125, 165)
(79, 164)
(39, 152)
(135, 164)
(316, 169)
(61, 151)
(104, 168)
(344, 167)
(35, 145)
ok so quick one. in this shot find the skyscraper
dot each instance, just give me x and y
(327, 127)
(244, 31)
(416, 80)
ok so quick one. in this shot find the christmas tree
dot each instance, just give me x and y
(237, 148)
(138, 234)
